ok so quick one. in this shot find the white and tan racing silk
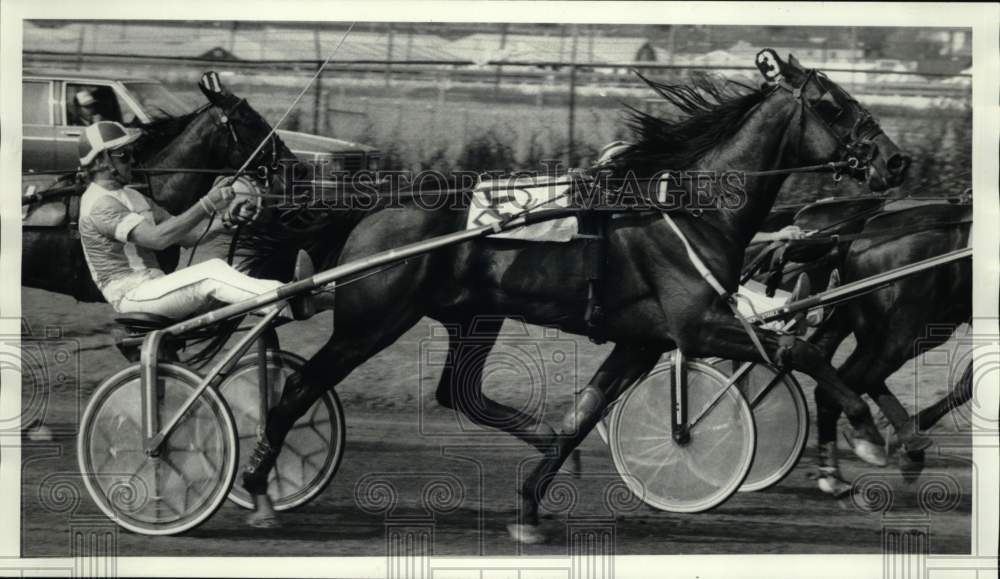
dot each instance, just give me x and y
(116, 264)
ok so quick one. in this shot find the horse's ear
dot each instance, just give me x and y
(770, 65)
(211, 86)
(793, 71)
(793, 63)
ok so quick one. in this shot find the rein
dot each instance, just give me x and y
(171, 170)
(263, 170)
(754, 267)
(409, 192)
(876, 210)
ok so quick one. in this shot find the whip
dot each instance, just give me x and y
(266, 138)
(274, 129)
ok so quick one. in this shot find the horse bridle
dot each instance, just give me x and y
(263, 173)
(858, 144)
(265, 170)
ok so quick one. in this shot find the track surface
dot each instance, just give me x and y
(462, 482)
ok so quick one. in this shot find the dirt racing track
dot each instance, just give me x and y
(409, 463)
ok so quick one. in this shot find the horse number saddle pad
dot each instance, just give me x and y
(495, 200)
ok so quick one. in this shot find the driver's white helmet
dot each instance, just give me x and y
(104, 136)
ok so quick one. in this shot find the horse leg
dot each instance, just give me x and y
(886, 350)
(370, 316)
(827, 474)
(867, 369)
(461, 384)
(879, 353)
(331, 364)
(828, 337)
(912, 460)
(625, 364)
(959, 395)
(718, 333)
(831, 333)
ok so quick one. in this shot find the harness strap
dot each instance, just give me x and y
(894, 231)
(749, 329)
(710, 278)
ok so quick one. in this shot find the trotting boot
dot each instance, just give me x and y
(828, 477)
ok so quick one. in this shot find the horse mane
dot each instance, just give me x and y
(711, 110)
(158, 133)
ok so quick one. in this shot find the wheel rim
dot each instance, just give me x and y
(190, 477)
(695, 476)
(312, 450)
(782, 423)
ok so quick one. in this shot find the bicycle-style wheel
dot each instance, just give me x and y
(180, 486)
(685, 477)
(313, 448)
(781, 418)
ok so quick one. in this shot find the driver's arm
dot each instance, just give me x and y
(197, 233)
(156, 236)
(183, 229)
(116, 221)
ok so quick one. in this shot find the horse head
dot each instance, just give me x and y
(222, 135)
(832, 126)
(246, 129)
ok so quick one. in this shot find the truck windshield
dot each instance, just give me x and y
(157, 101)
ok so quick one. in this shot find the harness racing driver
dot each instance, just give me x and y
(121, 228)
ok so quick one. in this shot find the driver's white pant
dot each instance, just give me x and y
(191, 290)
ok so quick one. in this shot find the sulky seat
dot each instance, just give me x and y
(133, 327)
(140, 323)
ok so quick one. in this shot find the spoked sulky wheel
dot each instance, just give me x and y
(686, 476)
(313, 448)
(165, 492)
(782, 421)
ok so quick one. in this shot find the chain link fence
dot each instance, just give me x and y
(425, 110)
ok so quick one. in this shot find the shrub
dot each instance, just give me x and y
(488, 151)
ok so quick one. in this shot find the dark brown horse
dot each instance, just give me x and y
(893, 325)
(657, 300)
(217, 136)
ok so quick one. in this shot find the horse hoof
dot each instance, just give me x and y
(526, 534)
(830, 482)
(259, 521)
(910, 440)
(911, 464)
(263, 515)
(833, 486)
(869, 452)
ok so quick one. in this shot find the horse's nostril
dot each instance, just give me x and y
(897, 163)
